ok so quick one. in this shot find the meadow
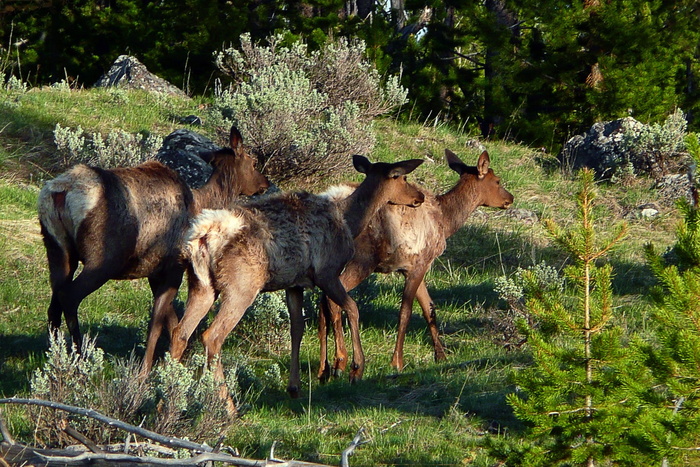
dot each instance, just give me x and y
(428, 414)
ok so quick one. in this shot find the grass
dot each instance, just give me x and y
(429, 414)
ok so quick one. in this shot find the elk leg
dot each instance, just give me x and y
(163, 312)
(62, 267)
(413, 280)
(331, 314)
(200, 298)
(235, 299)
(337, 293)
(295, 298)
(324, 369)
(89, 280)
(428, 307)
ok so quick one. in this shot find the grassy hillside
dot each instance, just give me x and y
(429, 414)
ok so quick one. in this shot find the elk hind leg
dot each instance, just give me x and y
(428, 307)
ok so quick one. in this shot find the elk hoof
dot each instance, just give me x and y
(293, 391)
(324, 374)
(355, 374)
(440, 356)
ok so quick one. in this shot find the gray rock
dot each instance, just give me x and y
(600, 148)
(181, 151)
(674, 187)
(128, 73)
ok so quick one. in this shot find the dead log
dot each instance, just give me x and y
(12, 453)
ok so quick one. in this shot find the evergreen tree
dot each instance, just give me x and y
(670, 427)
(573, 396)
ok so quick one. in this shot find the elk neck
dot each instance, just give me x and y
(359, 208)
(457, 204)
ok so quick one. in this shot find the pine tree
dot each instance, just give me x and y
(670, 426)
(573, 396)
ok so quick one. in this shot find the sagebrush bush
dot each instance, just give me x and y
(176, 399)
(514, 289)
(267, 321)
(304, 113)
(71, 378)
(119, 149)
(657, 149)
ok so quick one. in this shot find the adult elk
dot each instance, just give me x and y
(129, 223)
(287, 241)
(408, 241)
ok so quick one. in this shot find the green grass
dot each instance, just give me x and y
(430, 414)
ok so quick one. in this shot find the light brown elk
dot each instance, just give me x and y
(287, 241)
(129, 223)
(408, 241)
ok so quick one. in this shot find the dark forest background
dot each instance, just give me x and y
(532, 71)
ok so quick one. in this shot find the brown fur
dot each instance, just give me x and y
(289, 241)
(129, 223)
(408, 241)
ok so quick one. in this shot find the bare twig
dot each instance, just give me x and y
(75, 434)
(356, 441)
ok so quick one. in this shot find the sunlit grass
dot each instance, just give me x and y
(429, 414)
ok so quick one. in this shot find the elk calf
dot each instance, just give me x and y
(408, 241)
(129, 223)
(287, 241)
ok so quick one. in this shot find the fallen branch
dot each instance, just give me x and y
(356, 441)
(19, 454)
(170, 441)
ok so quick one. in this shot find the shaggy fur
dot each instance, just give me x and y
(408, 241)
(129, 223)
(288, 241)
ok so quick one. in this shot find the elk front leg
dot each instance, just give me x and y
(295, 298)
(413, 280)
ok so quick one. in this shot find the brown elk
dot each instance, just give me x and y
(287, 241)
(129, 223)
(408, 241)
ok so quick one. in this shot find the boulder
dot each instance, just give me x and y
(672, 188)
(600, 148)
(181, 151)
(127, 72)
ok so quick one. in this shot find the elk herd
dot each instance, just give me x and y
(144, 221)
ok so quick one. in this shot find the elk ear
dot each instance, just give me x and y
(404, 167)
(455, 162)
(236, 140)
(361, 163)
(482, 164)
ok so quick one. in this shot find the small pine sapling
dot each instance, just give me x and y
(670, 427)
(572, 396)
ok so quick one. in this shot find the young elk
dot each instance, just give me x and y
(129, 223)
(408, 241)
(288, 241)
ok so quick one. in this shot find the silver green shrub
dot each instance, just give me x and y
(267, 321)
(176, 399)
(71, 378)
(657, 149)
(514, 290)
(303, 113)
(119, 149)
(187, 403)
